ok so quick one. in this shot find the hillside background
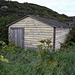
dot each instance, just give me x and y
(11, 11)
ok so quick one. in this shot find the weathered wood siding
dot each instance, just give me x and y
(34, 31)
(61, 34)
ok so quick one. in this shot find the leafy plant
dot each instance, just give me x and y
(8, 49)
(46, 44)
(47, 57)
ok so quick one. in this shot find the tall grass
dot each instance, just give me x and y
(28, 63)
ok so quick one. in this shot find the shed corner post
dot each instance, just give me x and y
(54, 38)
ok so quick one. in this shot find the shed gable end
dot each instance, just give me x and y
(34, 31)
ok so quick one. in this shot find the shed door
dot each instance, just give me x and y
(17, 36)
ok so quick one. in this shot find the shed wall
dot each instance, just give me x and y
(34, 31)
(61, 34)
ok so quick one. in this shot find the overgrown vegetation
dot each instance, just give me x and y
(43, 62)
(8, 49)
(45, 44)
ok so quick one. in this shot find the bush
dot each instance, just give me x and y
(8, 49)
(45, 44)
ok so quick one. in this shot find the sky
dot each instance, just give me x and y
(66, 7)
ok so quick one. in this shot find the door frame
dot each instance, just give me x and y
(23, 33)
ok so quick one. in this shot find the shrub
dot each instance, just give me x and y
(45, 44)
(47, 61)
(8, 49)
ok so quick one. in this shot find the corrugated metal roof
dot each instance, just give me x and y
(50, 22)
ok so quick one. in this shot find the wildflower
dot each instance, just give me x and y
(61, 48)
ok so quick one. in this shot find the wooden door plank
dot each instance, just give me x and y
(18, 37)
(21, 38)
(12, 33)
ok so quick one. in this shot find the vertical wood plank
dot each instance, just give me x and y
(12, 33)
(23, 38)
(16, 39)
(18, 42)
(20, 37)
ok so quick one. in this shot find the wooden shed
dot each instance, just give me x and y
(28, 30)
